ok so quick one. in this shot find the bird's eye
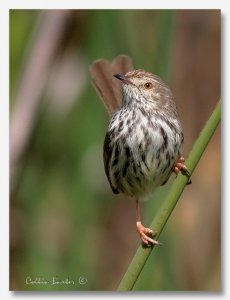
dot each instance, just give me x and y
(148, 85)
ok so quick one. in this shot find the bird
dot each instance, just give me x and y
(144, 138)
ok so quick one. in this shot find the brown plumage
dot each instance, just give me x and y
(144, 138)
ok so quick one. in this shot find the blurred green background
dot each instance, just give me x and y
(65, 223)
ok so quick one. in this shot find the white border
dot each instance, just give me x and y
(4, 151)
(4, 132)
(101, 4)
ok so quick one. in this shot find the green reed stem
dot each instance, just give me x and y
(158, 223)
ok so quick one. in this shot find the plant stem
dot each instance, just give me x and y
(171, 200)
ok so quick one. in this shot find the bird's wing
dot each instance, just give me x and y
(107, 153)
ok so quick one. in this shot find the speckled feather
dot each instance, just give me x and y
(144, 136)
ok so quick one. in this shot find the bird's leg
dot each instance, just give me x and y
(143, 231)
(181, 167)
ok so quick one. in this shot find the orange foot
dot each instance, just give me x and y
(181, 167)
(144, 234)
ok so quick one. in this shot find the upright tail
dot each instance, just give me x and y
(108, 88)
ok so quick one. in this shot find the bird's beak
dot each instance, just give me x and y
(122, 78)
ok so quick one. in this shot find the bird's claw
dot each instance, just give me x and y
(181, 167)
(146, 234)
